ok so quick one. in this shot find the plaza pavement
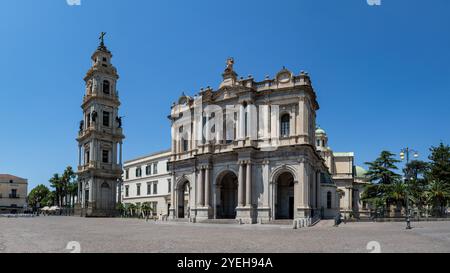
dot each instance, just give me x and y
(52, 234)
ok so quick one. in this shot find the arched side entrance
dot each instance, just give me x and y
(284, 196)
(183, 194)
(227, 196)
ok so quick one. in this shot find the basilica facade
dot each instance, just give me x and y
(247, 151)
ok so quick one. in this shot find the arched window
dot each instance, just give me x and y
(106, 87)
(285, 119)
(329, 200)
(185, 145)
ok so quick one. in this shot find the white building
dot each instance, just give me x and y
(147, 179)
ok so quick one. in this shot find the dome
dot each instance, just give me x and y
(320, 131)
(360, 172)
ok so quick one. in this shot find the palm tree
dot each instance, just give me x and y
(56, 183)
(131, 209)
(438, 195)
(72, 191)
(146, 210)
(396, 193)
(67, 183)
(121, 208)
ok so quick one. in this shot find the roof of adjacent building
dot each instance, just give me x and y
(10, 177)
(344, 154)
(149, 155)
(360, 172)
(320, 131)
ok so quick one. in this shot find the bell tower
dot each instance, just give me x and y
(100, 139)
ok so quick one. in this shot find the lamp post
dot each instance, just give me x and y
(404, 154)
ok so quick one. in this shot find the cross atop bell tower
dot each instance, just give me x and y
(100, 138)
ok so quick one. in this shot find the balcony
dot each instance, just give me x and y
(14, 196)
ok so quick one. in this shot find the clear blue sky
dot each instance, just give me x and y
(382, 74)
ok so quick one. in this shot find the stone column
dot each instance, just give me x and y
(241, 134)
(91, 151)
(313, 189)
(200, 193)
(241, 185)
(350, 198)
(207, 187)
(267, 123)
(173, 195)
(120, 156)
(301, 191)
(79, 155)
(248, 187)
(306, 189)
(173, 138)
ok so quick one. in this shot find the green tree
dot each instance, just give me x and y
(440, 164)
(381, 174)
(396, 193)
(57, 183)
(146, 209)
(69, 185)
(37, 195)
(382, 170)
(49, 199)
(438, 195)
(416, 169)
(121, 208)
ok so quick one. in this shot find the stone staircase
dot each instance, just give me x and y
(180, 220)
(324, 223)
(219, 221)
(287, 222)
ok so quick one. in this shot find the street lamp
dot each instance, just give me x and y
(405, 153)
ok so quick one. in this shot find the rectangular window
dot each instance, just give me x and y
(155, 168)
(87, 157)
(148, 170)
(167, 166)
(138, 189)
(106, 118)
(105, 156)
(154, 208)
(13, 193)
(127, 174)
(138, 172)
(155, 188)
(88, 120)
(127, 191)
(149, 188)
(169, 185)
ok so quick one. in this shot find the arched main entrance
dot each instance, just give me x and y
(183, 194)
(227, 199)
(285, 196)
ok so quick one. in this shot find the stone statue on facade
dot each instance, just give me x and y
(81, 125)
(230, 63)
(119, 122)
(94, 116)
